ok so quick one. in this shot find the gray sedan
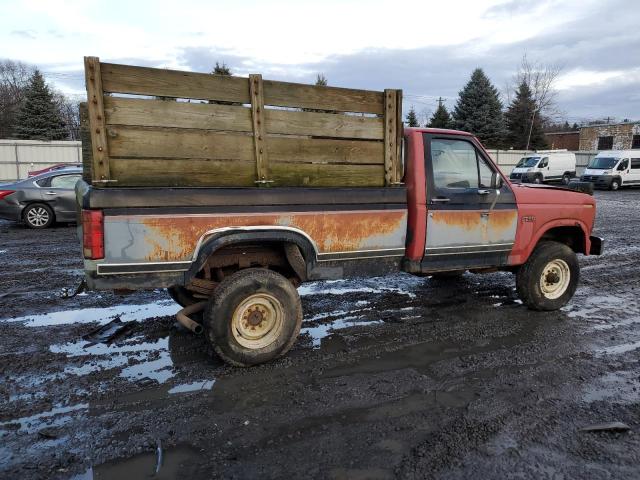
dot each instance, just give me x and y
(42, 200)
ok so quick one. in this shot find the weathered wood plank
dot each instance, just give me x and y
(174, 143)
(287, 94)
(157, 113)
(258, 122)
(185, 172)
(85, 138)
(95, 96)
(305, 150)
(173, 83)
(398, 170)
(315, 175)
(390, 136)
(324, 125)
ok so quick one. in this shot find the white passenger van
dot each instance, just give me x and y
(613, 169)
(545, 166)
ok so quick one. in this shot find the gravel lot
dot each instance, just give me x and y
(394, 377)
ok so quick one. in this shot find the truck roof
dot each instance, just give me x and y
(438, 130)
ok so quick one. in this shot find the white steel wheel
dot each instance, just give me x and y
(555, 279)
(258, 321)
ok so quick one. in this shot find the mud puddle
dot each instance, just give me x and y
(163, 464)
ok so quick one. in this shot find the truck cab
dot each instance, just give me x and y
(545, 166)
(613, 169)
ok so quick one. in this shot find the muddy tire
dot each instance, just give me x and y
(182, 296)
(38, 215)
(566, 178)
(549, 278)
(254, 316)
(537, 179)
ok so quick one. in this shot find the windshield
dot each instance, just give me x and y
(528, 162)
(603, 163)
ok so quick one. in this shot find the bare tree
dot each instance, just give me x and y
(541, 79)
(70, 114)
(14, 78)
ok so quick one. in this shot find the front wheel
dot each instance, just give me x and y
(615, 184)
(253, 317)
(549, 278)
(537, 179)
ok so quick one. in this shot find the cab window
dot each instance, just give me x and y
(457, 165)
(624, 164)
(544, 163)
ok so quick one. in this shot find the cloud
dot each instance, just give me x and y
(29, 34)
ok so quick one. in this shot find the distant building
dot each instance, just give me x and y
(560, 140)
(610, 136)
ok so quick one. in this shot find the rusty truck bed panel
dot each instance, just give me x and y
(171, 238)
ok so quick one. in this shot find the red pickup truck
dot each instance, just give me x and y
(232, 191)
(246, 250)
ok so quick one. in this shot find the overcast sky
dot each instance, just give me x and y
(427, 48)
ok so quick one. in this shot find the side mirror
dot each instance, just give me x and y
(496, 181)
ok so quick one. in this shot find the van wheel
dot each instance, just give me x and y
(537, 179)
(182, 296)
(615, 184)
(549, 278)
(254, 316)
(566, 178)
(38, 215)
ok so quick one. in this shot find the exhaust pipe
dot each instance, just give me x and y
(183, 317)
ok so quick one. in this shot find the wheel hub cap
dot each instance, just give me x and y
(258, 321)
(38, 216)
(555, 279)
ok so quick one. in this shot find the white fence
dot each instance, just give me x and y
(507, 159)
(17, 157)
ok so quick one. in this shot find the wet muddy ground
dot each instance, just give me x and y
(394, 377)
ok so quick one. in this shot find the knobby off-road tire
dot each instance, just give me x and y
(549, 278)
(38, 215)
(182, 296)
(253, 317)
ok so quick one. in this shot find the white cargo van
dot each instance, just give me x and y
(613, 169)
(545, 166)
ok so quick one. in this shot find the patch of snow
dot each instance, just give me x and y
(100, 315)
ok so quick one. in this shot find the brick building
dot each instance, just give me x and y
(610, 136)
(560, 140)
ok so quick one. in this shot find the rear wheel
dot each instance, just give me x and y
(38, 215)
(549, 278)
(254, 316)
(566, 178)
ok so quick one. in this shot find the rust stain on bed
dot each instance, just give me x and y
(175, 238)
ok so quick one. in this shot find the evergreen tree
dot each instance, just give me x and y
(221, 69)
(412, 118)
(321, 80)
(441, 117)
(39, 117)
(524, 125)
(479, 110)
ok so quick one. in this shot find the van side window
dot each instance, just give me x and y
(635, 164)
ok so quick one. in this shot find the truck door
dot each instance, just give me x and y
(470, 222)
(634, 172)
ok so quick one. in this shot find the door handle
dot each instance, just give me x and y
(50, 193)
(440, 200)
(484, 192)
